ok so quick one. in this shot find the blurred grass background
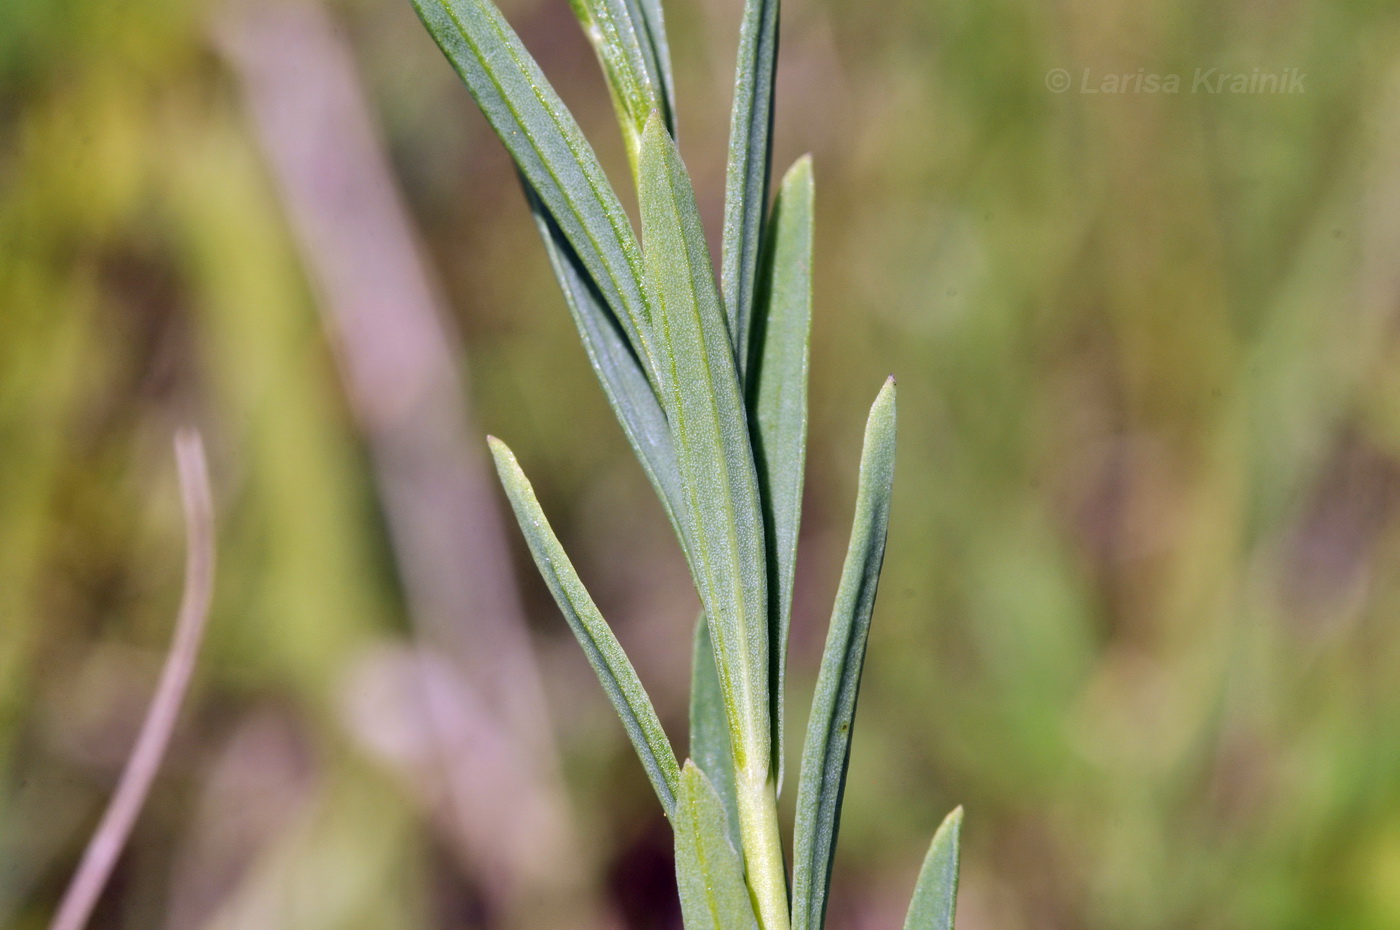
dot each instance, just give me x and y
(1138, 614)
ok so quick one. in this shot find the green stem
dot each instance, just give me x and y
(764, 867)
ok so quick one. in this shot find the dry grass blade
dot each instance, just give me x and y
(141, 767)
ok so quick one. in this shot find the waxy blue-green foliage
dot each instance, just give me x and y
(709, 872)
(937, 890)
(828, 749)
(708, 377)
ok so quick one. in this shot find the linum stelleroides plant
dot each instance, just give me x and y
(709, 381)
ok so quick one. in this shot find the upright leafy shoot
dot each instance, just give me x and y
(708, 379)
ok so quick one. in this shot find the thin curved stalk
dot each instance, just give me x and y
(106, 844)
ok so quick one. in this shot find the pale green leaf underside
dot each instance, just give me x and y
(700, 394)
(709, 872)
(604, 653)
(827, 751)
(777, 391)
(936, 894)
(616, 364)
(746, 175)
(550, 151)
(709, 730)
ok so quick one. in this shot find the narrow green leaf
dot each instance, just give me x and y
(827, 751)
(659, 51)
(621, 37)
(604, 652)
(550, 151)
(936, 894)
(777, 390)
(616, 365)
(709, 731)
(709, 873)
(700, 394)
(750, 156)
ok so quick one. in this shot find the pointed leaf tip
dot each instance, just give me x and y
(653, 128)
(935, 896)
(828, 747)
(613, 668)
(776, 382)
(505, 459)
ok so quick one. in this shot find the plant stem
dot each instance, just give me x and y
(765, 870)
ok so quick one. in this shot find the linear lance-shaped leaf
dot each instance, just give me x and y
(621, 38)
(700, 394)
(936, 894)
(604, 652)
(709, 872)
(709, 728)
(777, 391)
(616, 365)
(550, 151)
(750, 157)
(827, 751)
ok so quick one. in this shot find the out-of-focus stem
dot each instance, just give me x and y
(140, 771)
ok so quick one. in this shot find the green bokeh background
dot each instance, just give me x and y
(1139, 610)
